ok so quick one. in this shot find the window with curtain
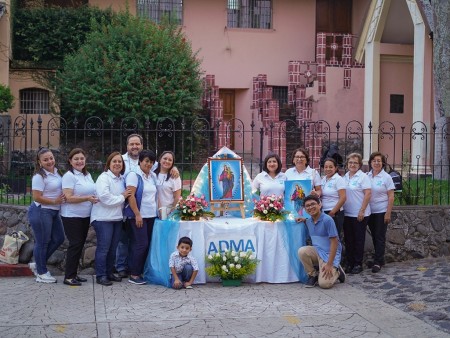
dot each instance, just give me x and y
(156, 10)
(249, 14)
(34, 101)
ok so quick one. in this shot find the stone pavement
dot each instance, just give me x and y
(357, 308)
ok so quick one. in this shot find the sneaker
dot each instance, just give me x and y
(33, 269)
(139, 280)
(311, 282)
(45, 278)
(341, 274)
(376, 268)
(123, 274)
(356, 269)
(189, 287)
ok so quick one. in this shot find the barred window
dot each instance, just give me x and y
(34, 101)
(249, 14)
(156, 10)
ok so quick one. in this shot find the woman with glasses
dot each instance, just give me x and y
(356, 211)
(302, 171)
(44, 213)
(381, 203)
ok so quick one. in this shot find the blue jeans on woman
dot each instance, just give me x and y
(108, 235)
(48, 234)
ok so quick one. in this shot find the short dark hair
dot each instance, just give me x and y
(135, 135)
(268, 157)
(185, 240)
(74, 152)
(147, 154)
(375, 154)
(311, 198)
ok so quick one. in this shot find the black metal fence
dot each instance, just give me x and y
(416, 151)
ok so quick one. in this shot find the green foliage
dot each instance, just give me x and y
(46, 35)
(423, 191)
(6, 98)
(131, 67)
(231, 264)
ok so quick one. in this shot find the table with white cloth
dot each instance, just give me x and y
(275, 243)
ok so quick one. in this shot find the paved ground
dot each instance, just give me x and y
(417, 291)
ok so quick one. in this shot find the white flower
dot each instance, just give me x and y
(238, 266)
(271, 205)
(264, 211)
(231, 265)
(184, 211)
(194, 213)
(252, 256)
(236, 259)
(217, 254)
(224, 267)
(210, 257)
(224, 258)
(233, 253)
(242, 254)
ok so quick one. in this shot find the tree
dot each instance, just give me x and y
(131, 67)
(6, 98)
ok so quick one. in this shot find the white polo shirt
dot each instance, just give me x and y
(130, 164)
(381, 184)
(81, 185)
(109, 189)
(166, 189)
(330, 191)
(355, 187)
(307, 174)
(269, 186)
(148, 202)
(50, 186)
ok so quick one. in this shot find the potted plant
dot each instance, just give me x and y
(270, 208)
(193, 208)
(231, 266)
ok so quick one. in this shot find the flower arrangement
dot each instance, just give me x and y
(231, 265)
(193, 208)
(270, 208)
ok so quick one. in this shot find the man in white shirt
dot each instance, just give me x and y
(131, 160)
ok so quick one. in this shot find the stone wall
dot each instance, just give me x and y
(415, 232)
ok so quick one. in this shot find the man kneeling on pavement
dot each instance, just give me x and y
(321, 260)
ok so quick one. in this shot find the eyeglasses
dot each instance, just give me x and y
(299, 157)
(311, 205)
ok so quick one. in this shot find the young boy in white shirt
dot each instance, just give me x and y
(183, 266)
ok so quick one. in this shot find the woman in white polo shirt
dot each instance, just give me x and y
(357, 212)
(381, 203)
(271, 180)
(107, 217)
(302, 171)
(43, 214)
(333, 193)
(79, 189)
(141, 213)
(169, 188)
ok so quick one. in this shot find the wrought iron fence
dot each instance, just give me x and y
(415, 151)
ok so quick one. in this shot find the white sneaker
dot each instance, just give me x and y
(45, 278)
(33, 269)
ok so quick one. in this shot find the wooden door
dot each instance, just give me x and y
(227, 97)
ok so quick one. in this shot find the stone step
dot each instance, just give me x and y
(14, 270)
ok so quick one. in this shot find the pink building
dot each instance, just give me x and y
(303, 60)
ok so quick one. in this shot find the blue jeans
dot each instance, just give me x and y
(184, 276)
(108, 235)
(123, 252)
(48, 234)
(139, 244)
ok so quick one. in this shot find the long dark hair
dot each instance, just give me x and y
(277, 158)
(37, 166)
(157, 171)
(72, 153)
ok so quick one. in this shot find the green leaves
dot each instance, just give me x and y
(6, 98)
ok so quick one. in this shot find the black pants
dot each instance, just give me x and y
(338, 219)
(140, 239)
(76, 229)
(355, 237)
(378, 230)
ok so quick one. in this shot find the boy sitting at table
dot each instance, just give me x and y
(183, 266)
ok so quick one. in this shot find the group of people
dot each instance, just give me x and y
(123, 203)
(336, 204)
(121, 206)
